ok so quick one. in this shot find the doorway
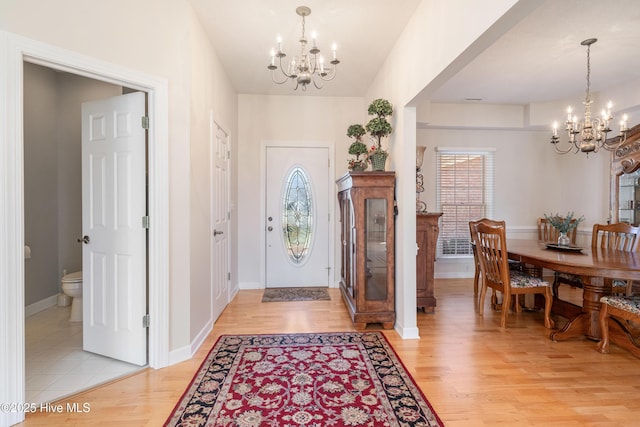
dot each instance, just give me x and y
(14, 50)
(297, 216)
(55, 363)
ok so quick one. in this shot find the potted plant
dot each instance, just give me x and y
(357, 148)
(379, 127)
(564, 225)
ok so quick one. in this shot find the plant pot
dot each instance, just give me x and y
(378, 161)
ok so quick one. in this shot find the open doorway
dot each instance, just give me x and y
(56, 339)
(14, 51)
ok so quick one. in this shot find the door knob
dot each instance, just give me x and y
(84, 240)
(216, 232)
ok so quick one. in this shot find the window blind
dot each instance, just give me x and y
(464, 192)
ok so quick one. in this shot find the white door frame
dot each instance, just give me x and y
(263, 202)
(14, 50)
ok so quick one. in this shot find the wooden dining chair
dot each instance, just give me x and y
(549, 234)
(625, 311)
(621, 236)
(476, 262)
(491, 247)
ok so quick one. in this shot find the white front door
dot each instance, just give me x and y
(297, 216)
(220, 217)
(113, 207)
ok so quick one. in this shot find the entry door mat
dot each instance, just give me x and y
(295, 294)
(306, 380)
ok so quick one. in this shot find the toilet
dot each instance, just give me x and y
(72, 286)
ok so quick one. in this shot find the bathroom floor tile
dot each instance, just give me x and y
(55, 364)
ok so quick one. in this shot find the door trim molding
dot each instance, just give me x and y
(330, 146)
(14, 50)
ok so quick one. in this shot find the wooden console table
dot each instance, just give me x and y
(427, 238)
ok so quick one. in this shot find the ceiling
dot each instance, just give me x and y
(538, 59)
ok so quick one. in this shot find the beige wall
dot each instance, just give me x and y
(286, 119)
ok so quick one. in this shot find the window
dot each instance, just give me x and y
(297, 215)
(464, 192)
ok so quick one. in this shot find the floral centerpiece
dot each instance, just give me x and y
(379, 127)
(564, 225)
(357, 148)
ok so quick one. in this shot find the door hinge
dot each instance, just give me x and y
(229, 276)
(145, 122)
(145, 222)
(228, 155)
(145, 321)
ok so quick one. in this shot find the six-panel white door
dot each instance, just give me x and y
(297, 216)
(114, 248)
(220, 219)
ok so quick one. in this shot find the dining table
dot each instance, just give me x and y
(593, 265)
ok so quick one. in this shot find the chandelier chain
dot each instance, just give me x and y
(588, 96)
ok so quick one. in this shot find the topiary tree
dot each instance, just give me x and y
(357, 148)
(378, 126)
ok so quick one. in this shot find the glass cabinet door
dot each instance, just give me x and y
(375, 250)
(629, 198)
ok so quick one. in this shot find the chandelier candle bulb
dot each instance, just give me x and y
(623, 123)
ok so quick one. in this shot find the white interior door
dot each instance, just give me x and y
(220, 217)
(297, 216)
(113, 207)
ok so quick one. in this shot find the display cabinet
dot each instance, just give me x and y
(427, 230)
(625, 176)
(366, 201)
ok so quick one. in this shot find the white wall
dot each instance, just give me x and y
(417, 60)
(287, 119)
(211, 97)
(530, 180)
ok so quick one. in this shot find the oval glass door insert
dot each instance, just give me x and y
(297, 215)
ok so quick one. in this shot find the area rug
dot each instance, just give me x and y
(295, 294)
(306, 380)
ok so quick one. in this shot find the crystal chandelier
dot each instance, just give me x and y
(306, 67)
(589, 134)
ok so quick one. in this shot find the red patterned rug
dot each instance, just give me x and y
(308, 380)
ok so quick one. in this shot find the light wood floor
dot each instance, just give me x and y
(472, 372)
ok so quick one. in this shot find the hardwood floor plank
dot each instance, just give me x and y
(470, 370)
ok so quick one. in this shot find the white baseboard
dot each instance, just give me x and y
(249, 285)
(202, 335)
(41, 305)
(179, 355)
(407, 333)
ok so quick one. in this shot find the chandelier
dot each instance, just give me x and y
(589, 134)
(306, 67)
